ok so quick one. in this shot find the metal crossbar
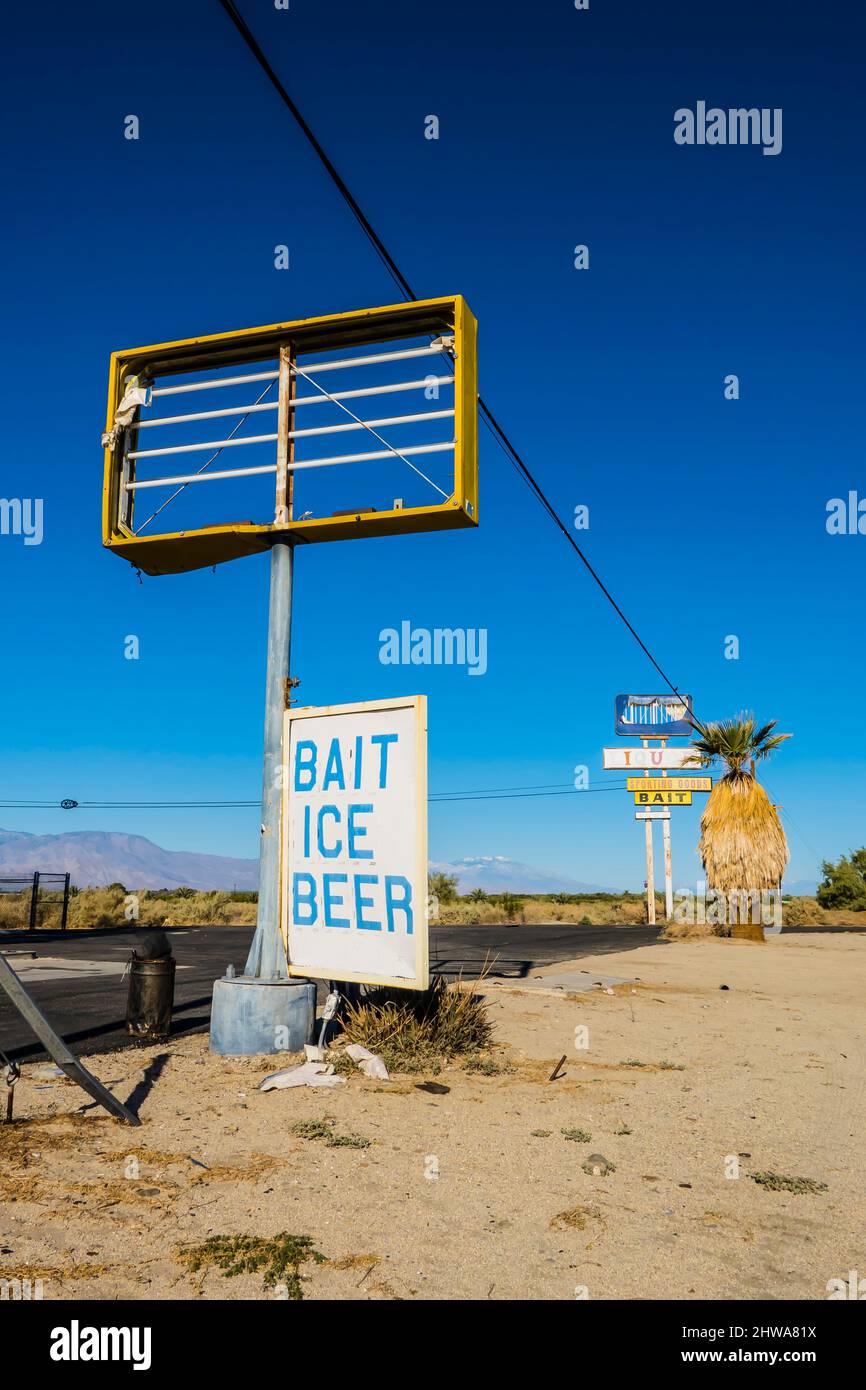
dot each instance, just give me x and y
(293, 434)
(293, 467)
(400, 356)
(299, 400)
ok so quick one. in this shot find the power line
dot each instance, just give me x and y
(490, 420)
(473, 794)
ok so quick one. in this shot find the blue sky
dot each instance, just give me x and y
(707, 516)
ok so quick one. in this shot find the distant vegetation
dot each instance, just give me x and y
(499, 909)
(115, 906)
(844, 884)
(841, 897)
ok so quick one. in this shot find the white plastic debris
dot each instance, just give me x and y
(370, 1064)
(48, 1073)
(133, 397)
(307, 1074)
(314, 1053)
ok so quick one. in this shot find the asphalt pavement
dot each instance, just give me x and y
(76, 978)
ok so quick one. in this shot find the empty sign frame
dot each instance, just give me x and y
(350, 425)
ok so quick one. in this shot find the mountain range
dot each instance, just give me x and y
(497, 874)
(95, 858)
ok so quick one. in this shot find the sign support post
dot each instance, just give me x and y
(669, 883)
(263, 1011)
(650, 883)
(666, 840)
(267, 955)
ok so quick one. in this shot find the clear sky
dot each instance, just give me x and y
(707, 515)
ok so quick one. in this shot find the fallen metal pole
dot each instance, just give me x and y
(66, 1061)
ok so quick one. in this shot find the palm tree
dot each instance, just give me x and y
(743, 847)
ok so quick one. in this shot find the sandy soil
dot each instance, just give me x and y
(770, 1069)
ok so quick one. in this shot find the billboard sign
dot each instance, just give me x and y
(355, 842)
(647, 758)
(653, 716)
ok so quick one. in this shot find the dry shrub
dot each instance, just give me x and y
(14, 911)
(803, 912)
(468, 914)
(97, 907)
(691, 931)
(416, 1031)
(631, 914)
(201, 909)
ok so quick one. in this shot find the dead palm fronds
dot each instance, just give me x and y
(742, 847)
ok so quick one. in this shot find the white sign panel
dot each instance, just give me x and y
(652, 815)
(642, 758)
(355, 842)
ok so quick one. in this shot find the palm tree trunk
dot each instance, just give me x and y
(747, 931)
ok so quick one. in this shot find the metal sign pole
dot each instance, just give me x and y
(650, 883)
(267, 955)
(669, 883)
(666, 839)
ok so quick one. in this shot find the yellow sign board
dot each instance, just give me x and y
(662, 798)
(669, 784)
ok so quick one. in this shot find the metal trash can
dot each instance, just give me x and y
(151, 987)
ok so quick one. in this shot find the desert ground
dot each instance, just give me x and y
(713, 1058)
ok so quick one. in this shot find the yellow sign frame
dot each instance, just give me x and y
(179, 551)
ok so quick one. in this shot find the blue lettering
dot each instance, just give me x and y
(361, 902)
(383, 740)
(320, 839)
(307, 900)
(358, 831)
(392, 904)
(303, 764)
(334, 767)
(329, 901)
